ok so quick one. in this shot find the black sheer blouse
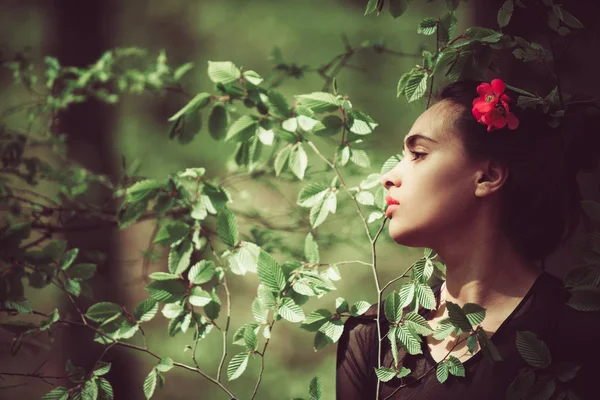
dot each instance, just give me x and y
(571, 336)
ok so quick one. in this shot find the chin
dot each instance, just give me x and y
(406, 237)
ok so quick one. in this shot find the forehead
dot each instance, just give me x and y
(437, 123)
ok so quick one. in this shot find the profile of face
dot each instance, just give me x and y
(435, 184)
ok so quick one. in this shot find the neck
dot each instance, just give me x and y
(487, 272)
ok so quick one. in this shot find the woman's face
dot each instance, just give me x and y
(435, 189)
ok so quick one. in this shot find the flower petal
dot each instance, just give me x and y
(498, 86)
(505, 98)
(484, 89)
(513, 121)
(482, 106)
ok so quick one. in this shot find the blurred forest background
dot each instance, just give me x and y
(245, 32)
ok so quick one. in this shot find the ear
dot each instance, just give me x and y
(490, 178)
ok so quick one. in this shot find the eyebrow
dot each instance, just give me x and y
(413, 138)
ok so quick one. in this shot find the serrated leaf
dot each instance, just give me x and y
(472, 343)
(68, 258)
(385, 374)
(224, 72)
(278, 105)
(298, 161)
(199, 297)
(315, 389)
(311, 249)
(282, 158)
(105, 390)
(166, 291)
(101, 368)
(201, 272)
(217, 122)
(58, 393)
(244, 259)
(487, 346)
(237, 365)
(145, 310)
(359, 308)
(398, 7)
(333, 330)
(455, 366)
(315, 320)
(142, 190)
(290, 311)
(150, 383)
(253, 77)
(227, 228)
(416, 85)
(242, 129)
(474, 313)
(319, 101)
(101, 312)
(360, 158)
(441, 372)
(417, 323)
(458, 317)
(165, 364)
(270, 273)
(428, 26)
(361, 123)
(180, 256)
(521, 385)
(533, 350)
(312, 194)
(505, 13)
(82, 272)
(198, 102)
(390, 164)
(392, 307)
(407, 293)
(584, 298)
(444, 329)
(408, 339)
(171, 233)
(172, 310)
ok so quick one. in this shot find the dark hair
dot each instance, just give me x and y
(541, 197)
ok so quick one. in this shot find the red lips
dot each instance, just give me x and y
(390, 200)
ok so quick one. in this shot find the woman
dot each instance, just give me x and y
(492, 190)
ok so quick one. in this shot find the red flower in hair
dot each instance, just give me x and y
(491, 107)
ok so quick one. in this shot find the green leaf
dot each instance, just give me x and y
(458, 317)
(474, 313)
(100, 312)
(102, 368)
(81, 272)
(253, 77)
(201, 272)
(217, 122)
(315, 320)
(224, 72)
(359, 308)
(165, 364)
(360, 123)
(319, 102)
(403, 372)
(150, 383)
(446, 27)
(242, 129)
(416, 85)
(73, 287)
(105, 390)
(166, 291)
(315, 390)
(398, 7)
(290, 311)
(533, 350)
(566, 17)
(371, 6)
(270, 273)
(329, 126)
(393, 307)
(410, 340)
(312, 194)
(142, 190)
(483, 34)
(407, 293)
(145, 310)
(505, 13)
(333, 330)
(417, 323)
(52, 318)
(319, 212)
(585, 298)
(162, 276)
(425, 296)
(282, 158)
(298, 161)
(455, 367)
(199, 297)
(237, 365)
(58, 393)
(311, 249)
(244, 259)
(278, 105)
(428, 26)
(441, 372)
(444, 329)
(180, 256)
(385, 374)
(487, 346)
(171, 233)
(199, 101)
(68, 258)
(227, 228)
(472, 343)
(521, 385)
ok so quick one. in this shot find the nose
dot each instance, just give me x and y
(390, 179)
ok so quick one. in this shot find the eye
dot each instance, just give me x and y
(417, 155)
